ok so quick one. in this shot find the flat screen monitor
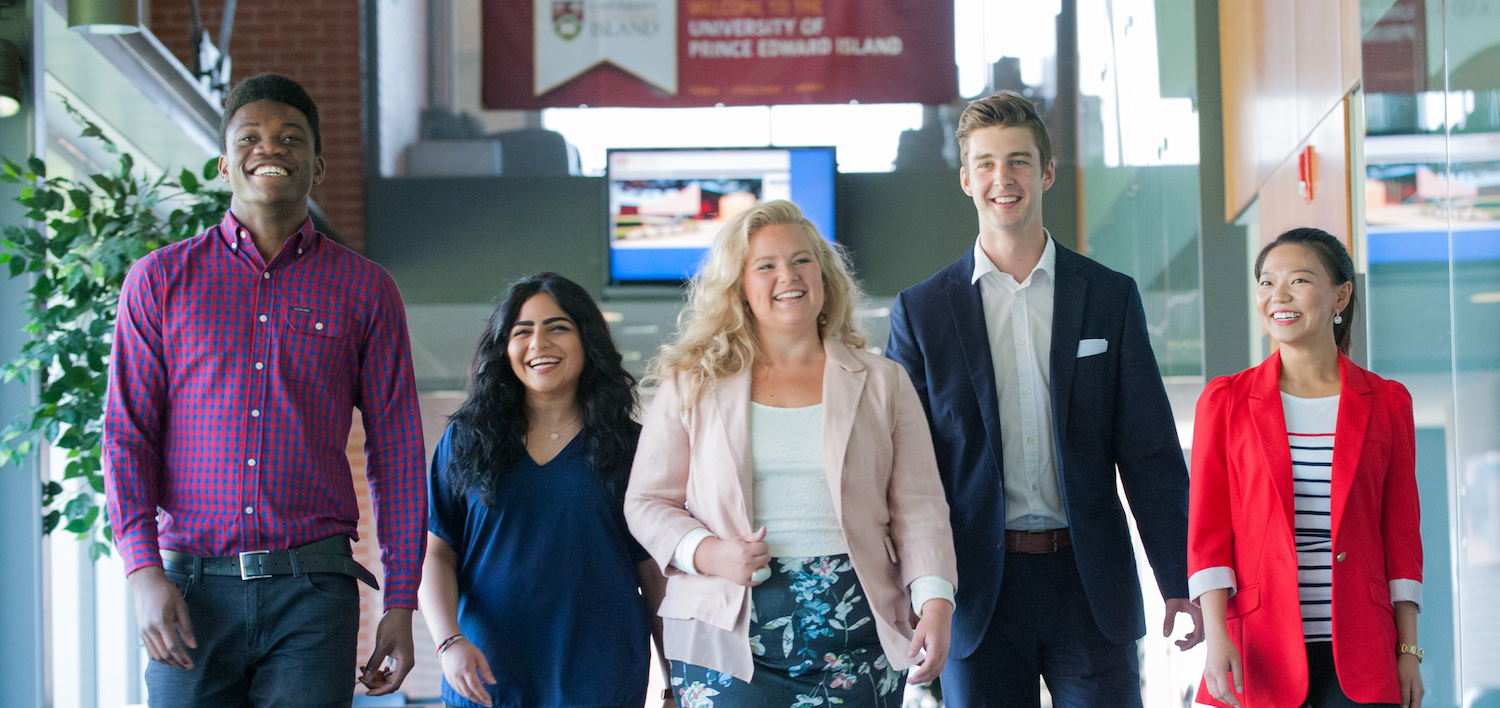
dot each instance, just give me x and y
(666, 206)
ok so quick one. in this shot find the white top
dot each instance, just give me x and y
(790, 490)
(1018, 317)
(1311, 424)
(791, 498)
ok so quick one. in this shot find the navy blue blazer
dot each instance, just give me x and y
(1109, 410)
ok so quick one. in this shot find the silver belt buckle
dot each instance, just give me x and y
(243, 575)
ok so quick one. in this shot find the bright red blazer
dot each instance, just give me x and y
(1241, 516)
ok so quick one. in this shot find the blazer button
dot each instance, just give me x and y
(1340, 557)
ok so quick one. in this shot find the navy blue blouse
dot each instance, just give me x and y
(547, 584)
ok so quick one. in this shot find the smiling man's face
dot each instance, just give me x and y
(269, 155)
(1005, 176)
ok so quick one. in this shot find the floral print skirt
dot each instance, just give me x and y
(814, 643)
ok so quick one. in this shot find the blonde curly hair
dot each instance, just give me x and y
(716, 335)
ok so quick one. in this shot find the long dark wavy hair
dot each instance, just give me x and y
(489, 430)
(1336, 261)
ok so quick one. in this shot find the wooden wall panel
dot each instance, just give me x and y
(1350, 43)
(1319, 63)
(1281, 204)
(1284, 66)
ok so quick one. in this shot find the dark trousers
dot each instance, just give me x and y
(1323, 689)
(1043, 629)
(280, 641)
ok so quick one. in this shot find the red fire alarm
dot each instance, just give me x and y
(1305, 173)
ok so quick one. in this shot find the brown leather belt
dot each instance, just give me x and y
(330, 555)
(1037, 541)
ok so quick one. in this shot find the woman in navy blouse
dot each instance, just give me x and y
(532, 587)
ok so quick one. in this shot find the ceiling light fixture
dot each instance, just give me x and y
(104, 16)
(11, 73)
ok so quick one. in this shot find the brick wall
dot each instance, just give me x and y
(422, 682)
(315, 42)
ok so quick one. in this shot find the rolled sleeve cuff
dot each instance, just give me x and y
(138, 552)
(1216, 578)
(929, 587)
(683, 556)
(1405, 590)
(400, 591)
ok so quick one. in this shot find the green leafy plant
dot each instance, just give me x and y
(95, 229)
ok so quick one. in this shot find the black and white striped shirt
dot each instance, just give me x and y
(1310, 425)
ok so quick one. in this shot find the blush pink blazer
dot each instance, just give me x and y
(693, 470)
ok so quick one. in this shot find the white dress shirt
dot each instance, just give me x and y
(1018, 317)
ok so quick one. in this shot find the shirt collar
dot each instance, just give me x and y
(983, 266)
(235, 235)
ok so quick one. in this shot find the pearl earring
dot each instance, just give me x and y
(1338, 318)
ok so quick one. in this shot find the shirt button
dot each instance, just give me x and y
(1031, 440)
(1023, 342)
(1340, 557)
(1026, 391)
(266, 275)
(1033, 487)
(251, 462)
(318, 326)
(262, 318)
(259, 366)
(249, 510)
(255, 413)
(299, 251)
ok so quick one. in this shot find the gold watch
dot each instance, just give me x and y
(1412, 649)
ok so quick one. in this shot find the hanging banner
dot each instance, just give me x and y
(664, 53)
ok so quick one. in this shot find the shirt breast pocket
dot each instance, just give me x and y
(314, 346)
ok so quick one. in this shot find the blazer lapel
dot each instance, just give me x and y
(843, 382)
(1068, 292)
(1270, 428)
(1349, 436)
(732, 400)
(974, 341)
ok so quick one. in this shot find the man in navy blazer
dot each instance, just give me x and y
(1036, 371)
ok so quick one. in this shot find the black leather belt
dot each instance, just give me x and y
(330, 555)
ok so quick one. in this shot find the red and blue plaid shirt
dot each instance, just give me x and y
(232, 385)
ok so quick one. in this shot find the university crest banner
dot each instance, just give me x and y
(663, 53)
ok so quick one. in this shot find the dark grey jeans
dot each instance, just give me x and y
(281, 641)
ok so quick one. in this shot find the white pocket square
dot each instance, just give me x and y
(1090, 347)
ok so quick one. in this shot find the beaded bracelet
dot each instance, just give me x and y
(450, 641)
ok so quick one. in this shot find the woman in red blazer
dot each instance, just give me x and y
(1303, 544)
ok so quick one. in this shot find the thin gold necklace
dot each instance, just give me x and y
(555, 434)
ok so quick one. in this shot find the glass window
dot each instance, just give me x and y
(1138, 154)
(1432, 146)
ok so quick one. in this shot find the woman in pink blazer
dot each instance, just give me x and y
(786, 484)
(1303, 544)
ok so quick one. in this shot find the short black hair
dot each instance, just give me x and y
(275, 87)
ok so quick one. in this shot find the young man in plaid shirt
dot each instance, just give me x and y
(238, 357)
